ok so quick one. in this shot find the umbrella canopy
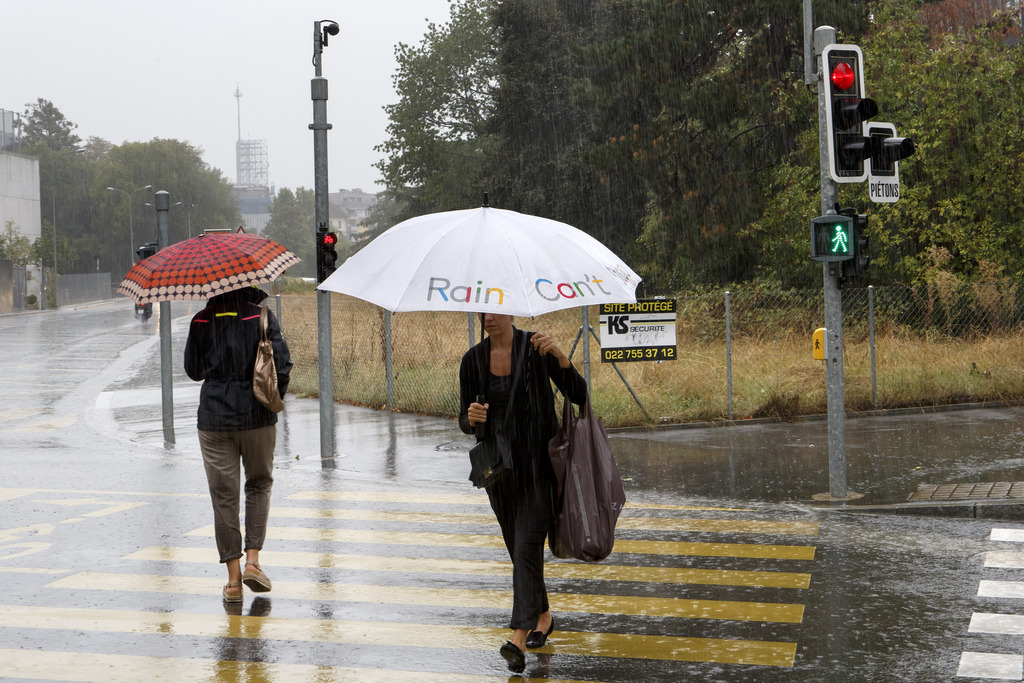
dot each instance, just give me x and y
(205, 266)
(484, 260)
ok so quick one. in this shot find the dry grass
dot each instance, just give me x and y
(773, 374)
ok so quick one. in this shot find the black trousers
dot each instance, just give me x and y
(524, 503)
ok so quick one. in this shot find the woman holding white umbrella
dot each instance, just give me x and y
(505, 381)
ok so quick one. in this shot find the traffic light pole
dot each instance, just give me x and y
(162, 202)
(323, 299)
(831, 272)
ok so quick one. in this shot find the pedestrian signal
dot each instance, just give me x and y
(832, 238)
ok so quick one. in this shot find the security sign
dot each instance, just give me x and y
(645, 330)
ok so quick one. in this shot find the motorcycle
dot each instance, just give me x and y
(143, 311)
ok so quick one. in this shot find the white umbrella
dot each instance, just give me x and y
(484, 260)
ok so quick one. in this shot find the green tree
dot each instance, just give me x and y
(67, 254)
(437, 146)
(46, 127)
(952, 87)
(168, 165)
(292, 221)
(15, 246)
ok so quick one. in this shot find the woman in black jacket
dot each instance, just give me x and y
(523, 502)
(236, 428)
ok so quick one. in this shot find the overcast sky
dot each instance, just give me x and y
(132, 71)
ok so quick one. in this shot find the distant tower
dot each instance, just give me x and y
(251, 166)
(252, 171)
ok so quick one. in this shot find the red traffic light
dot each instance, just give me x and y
(330, 239)
(843, 76)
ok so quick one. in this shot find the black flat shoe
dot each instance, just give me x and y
(537, 639)
(515, 657)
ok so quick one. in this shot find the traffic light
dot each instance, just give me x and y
(832, 238)
(326, 254)
(846, 110)
(147, 250)
(855, 269)
(887, 149)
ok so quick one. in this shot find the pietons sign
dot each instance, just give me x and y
(645, 330)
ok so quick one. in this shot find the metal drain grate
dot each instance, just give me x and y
(986, 490)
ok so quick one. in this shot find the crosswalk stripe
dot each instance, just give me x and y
(749, 550)
(633, 523)
(99, 492)
(628, 646)
(990, 665)
(1000, 589)
(748, 526)
(449, 597)
(462, 498)
(107, 668)
(983, 622)
(1003, 560)
(552, 570)
(1013, 535)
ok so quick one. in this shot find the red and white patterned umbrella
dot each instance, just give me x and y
(206, 266)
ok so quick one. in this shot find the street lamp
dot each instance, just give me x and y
(188, 208)
(131, 228)
(53, 209)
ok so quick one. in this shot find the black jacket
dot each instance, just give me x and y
(533, 420)
(221, 350)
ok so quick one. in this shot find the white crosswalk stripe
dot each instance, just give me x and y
(997, 665)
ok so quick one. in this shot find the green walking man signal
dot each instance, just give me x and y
(832, 238)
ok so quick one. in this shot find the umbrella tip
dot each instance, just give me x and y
(485, 200)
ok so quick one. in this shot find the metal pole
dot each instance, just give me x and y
(871, 329)
(728, 353)
(586, 345)
(835, 392)
(162, 200)
(318, 91)
(389, 366)
(53, 208)
(472, 331)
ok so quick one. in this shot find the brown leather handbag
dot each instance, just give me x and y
(264, 373)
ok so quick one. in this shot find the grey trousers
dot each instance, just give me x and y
(224, 455)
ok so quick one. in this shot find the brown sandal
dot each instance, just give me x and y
(257, 581)
(231, 597)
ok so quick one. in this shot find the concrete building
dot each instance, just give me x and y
(349, 210)
(19, 205)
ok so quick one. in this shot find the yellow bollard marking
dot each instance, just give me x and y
(558, 570)
(725, 651)
(780, 552)
(412, 595)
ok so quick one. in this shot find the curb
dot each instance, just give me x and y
(1006, 510)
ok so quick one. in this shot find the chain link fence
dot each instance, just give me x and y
(740, 354)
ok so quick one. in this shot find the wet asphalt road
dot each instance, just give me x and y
(390, 563)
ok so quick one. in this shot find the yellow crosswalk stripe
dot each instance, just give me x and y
(107, 668)
(461, 498)
(470, 598)
(633, 523)
(629, 646)
(780, 552)
(552, 570)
